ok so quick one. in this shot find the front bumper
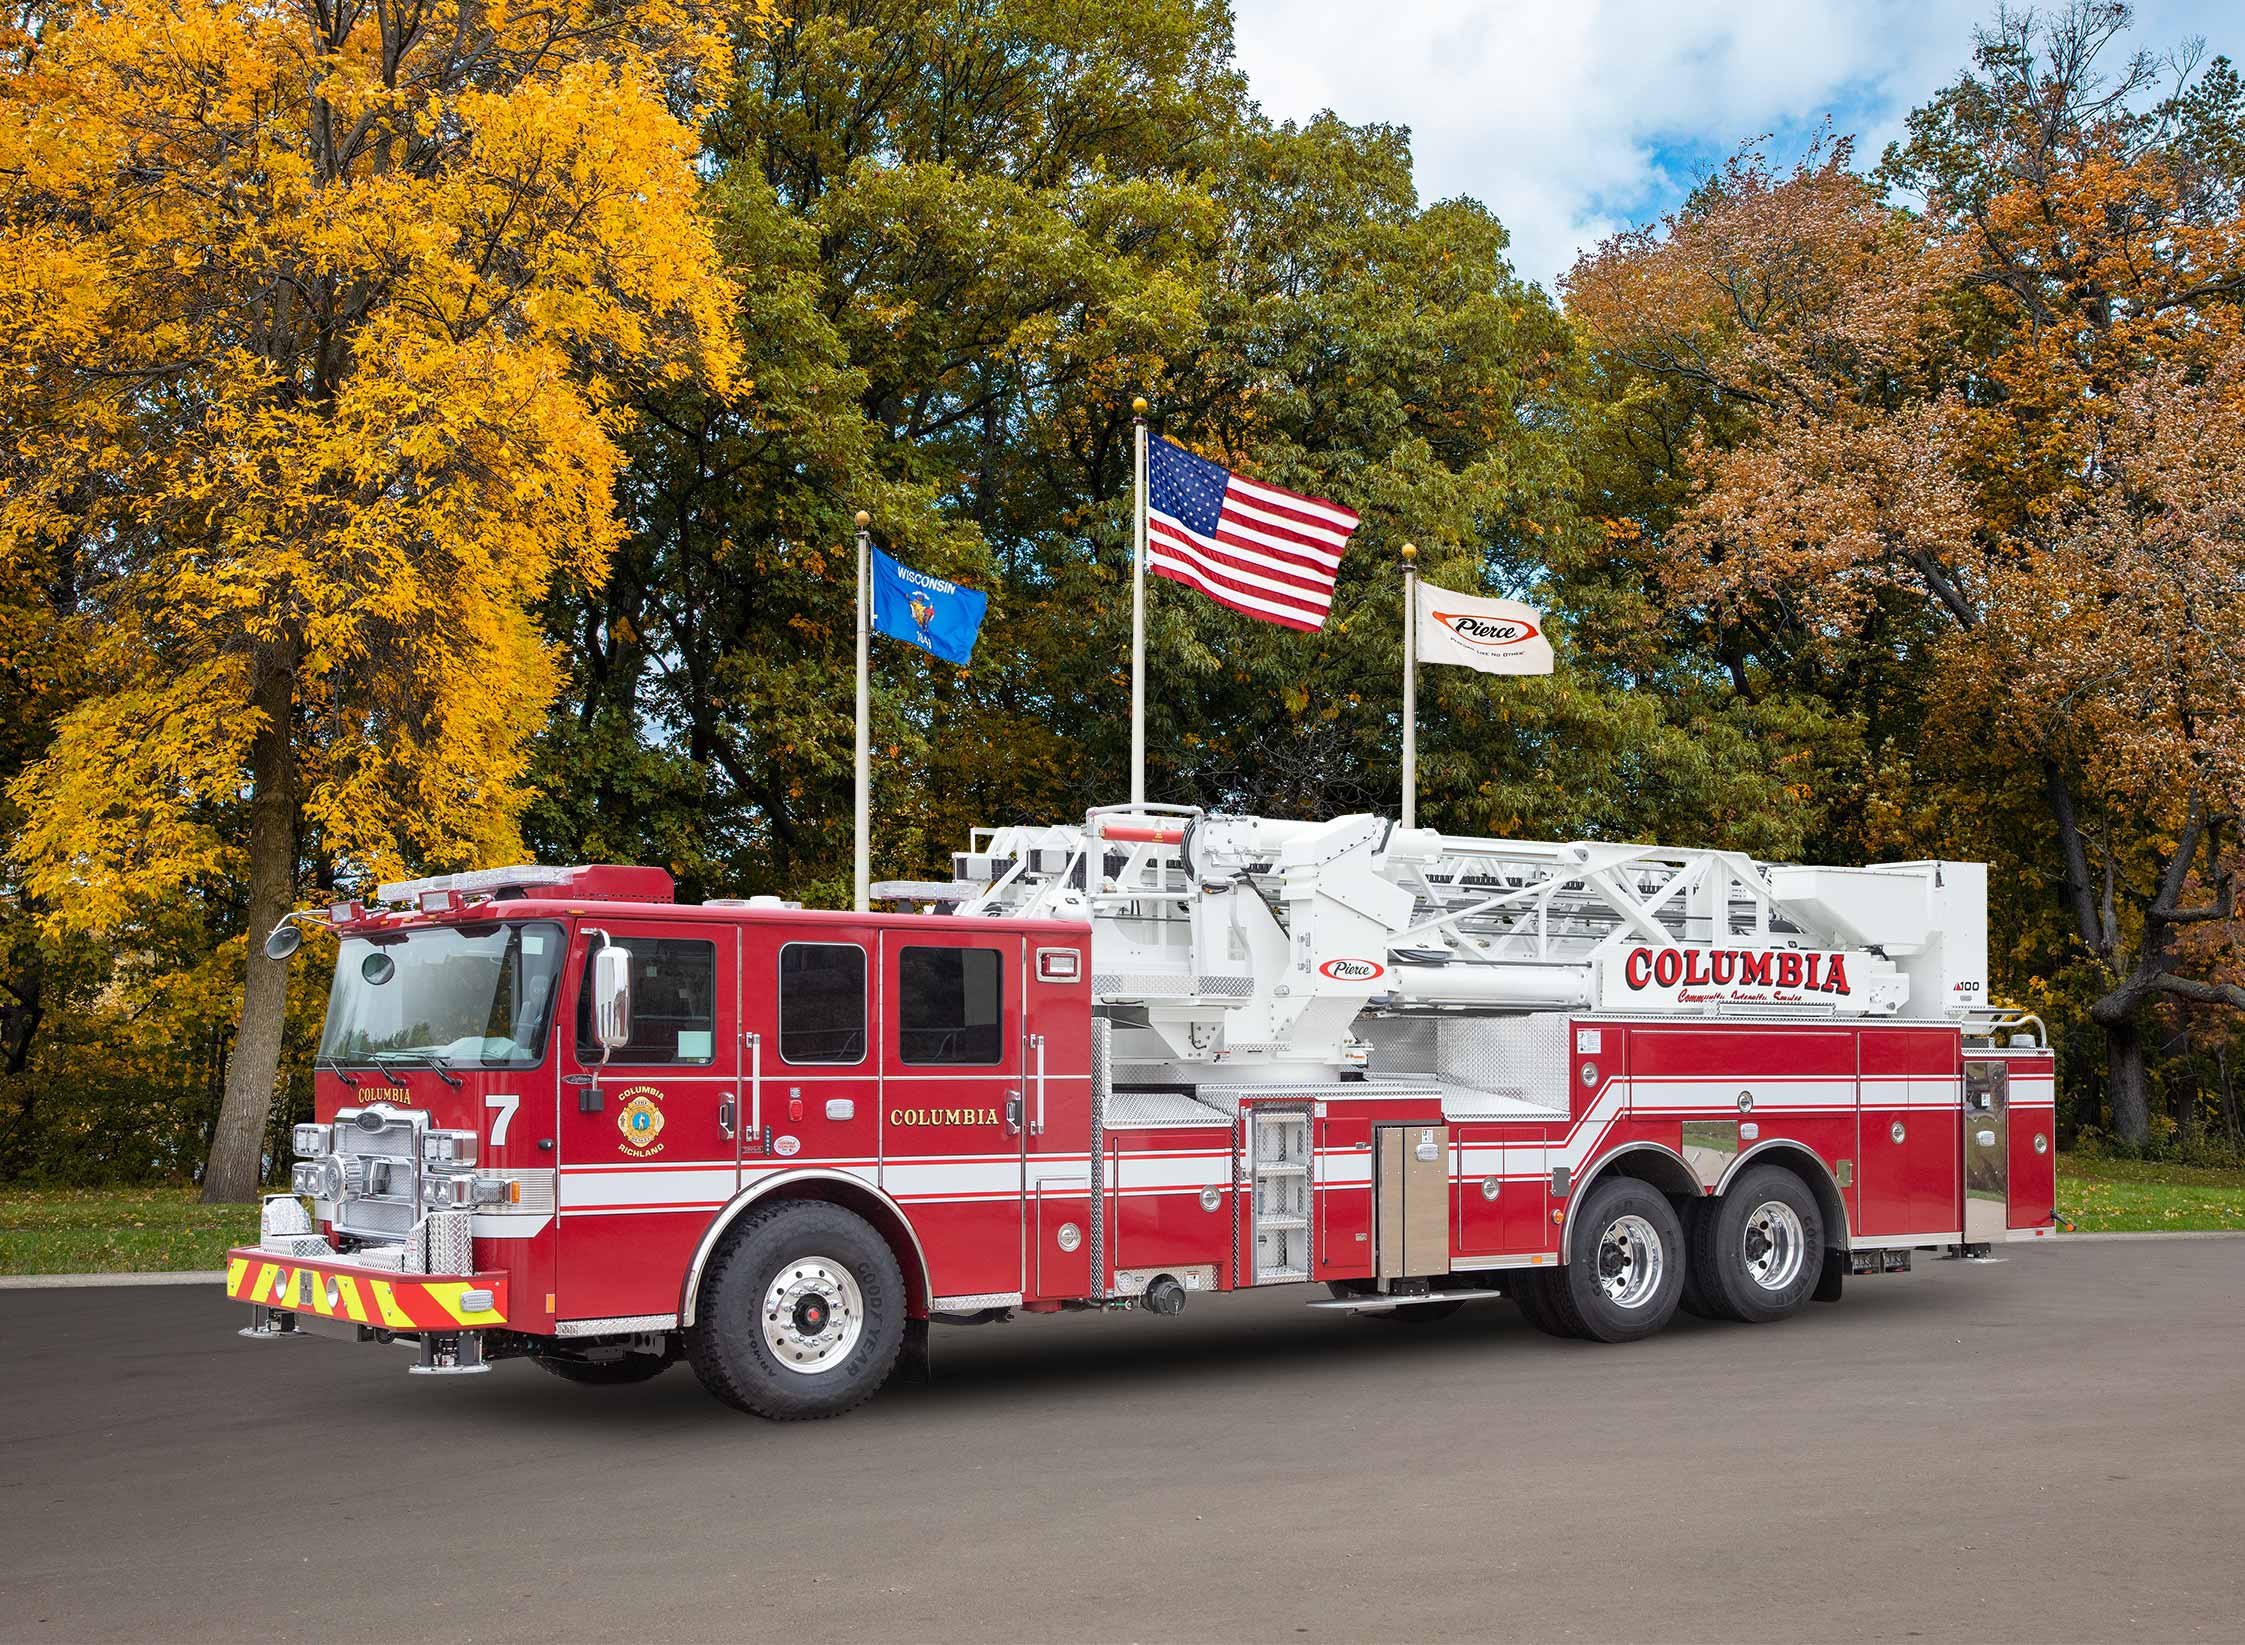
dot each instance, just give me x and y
(349, 1293)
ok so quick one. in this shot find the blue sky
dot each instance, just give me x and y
(1571, 118)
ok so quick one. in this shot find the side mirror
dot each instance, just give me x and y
(283, 940)
(611, 996)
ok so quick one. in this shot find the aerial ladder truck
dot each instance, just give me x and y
(1159, 1054)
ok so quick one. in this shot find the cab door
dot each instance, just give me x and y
(648, 1150)
(952, 1101)
(812, 1093)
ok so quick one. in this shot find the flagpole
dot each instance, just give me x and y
(1410, 687)
(1138, 610)
(864, 863)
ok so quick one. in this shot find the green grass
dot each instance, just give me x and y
(2134, 1196)
(117, 1231)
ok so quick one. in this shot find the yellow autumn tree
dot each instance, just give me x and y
(318, 322)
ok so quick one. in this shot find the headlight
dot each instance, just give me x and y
(311, 1141)
(447, 1193)
(457, 1193)
(304, 1178)
(448, 1150)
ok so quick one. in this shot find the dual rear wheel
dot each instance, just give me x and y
(1634, 1256)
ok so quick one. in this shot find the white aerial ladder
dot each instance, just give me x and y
(1246, 949)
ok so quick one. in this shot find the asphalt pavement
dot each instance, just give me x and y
(2043, 1449)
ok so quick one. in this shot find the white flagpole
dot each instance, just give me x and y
(864, 864)
(1138, 612)
(1410, 687)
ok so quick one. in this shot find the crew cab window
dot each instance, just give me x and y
(673, 1003)
(951, 1006)
(822, 1002)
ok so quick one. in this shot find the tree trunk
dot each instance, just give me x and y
(237, 1146)
(2124, 1081)
(2229, 1096)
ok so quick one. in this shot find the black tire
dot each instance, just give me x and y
(822, 1244)
(1696, 1301)
(1576, 1296)
(1734, 1234)
(1530, 1288)
(605, 1373)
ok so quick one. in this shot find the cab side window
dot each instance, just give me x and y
(951, 1006)
(673, 1004)
(822, 1002)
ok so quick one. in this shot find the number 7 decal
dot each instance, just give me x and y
(506, 1105)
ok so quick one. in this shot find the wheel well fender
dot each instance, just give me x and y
(1649, 1162)
(1803, 1162)
(852, 1194)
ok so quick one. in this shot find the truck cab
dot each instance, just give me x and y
(545, 1097)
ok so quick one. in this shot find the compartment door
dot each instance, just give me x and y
(1411, 1195)
(1987, 1152)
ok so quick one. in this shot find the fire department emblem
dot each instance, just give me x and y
(641, 1121)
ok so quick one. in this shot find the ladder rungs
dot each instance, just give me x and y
(1280, 1225)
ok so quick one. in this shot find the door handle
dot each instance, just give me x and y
(755, 1043)
(1037, 1045)
(725, 1119)
(1013, 1113)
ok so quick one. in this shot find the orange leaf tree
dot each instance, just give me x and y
(317, 324)
(2006, 424)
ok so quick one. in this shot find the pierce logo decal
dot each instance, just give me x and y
(641, 1121)
(1346, 970)
(1488, 633)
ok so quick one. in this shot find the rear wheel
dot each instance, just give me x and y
(1696, 1301)
(802, 1314)
(1531, 1289)
(1760, 1248)
(1625, 1265)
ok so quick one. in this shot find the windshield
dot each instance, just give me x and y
(474, 996)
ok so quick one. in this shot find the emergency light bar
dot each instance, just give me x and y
(597, 882)
(474, 880)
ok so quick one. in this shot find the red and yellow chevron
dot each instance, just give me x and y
(377, 1298)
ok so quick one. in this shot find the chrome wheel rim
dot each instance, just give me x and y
(1775, 1245)
(1629, 1262)
(813, 1314)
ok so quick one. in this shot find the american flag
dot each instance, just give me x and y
(1269, 553)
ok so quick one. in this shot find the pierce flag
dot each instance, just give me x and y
(1494, 636)
(939, 617)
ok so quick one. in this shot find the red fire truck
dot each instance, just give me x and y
(1117, 1064)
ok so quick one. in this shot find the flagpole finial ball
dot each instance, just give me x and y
(863, 519)
(1138, 406)
(1409, 553)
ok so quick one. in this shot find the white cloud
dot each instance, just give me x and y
(1570, 118)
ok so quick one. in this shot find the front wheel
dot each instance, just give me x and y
(802, 1314)
(1625, 1266)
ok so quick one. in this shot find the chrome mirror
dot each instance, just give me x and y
(283, 940)
(611, 996)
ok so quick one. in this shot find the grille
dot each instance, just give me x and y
(388, 1164)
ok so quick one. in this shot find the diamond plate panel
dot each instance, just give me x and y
(1153, 1110)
